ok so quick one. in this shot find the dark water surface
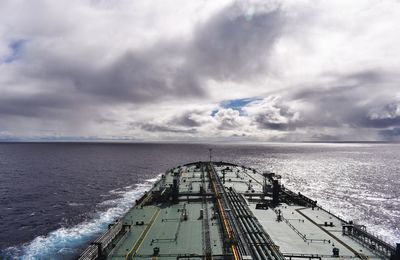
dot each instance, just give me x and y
(56, 197)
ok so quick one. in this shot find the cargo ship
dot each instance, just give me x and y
(220, 210)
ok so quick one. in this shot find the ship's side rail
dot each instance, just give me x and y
(96, 247)
(301, 235)
(379, 246)
(89, 253)
(309, 256)
(374, 243)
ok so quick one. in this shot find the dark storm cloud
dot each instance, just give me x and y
(229, 46)
(331, 107)
(233, 45)
(350, 101)
(391, 134)
(183, 123)
(39, 105)
(381, 123)
(388, 115)
(186, 119)
(74, 70)
(367, 76)
(131, 78)
(140, 79)
(150, 127)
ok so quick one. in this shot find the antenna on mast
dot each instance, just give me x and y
(210, 150)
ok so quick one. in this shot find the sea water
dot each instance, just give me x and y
(57, 197)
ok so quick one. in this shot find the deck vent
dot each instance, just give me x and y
(335, 252)
(156, 251)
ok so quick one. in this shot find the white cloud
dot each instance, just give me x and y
(229, 119)
(270, 112)
(97, 67)
(389, 111)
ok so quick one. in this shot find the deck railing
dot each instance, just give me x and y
(96, 247)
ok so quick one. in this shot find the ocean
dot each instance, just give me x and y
(57, 197)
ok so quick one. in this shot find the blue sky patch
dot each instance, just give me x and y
(235, 104)
(214, 112)
(16, 48)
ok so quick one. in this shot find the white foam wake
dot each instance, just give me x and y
(63, 242)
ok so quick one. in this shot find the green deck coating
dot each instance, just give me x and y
(169, 232)
(174, 235)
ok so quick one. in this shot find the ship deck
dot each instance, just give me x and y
(225, 211)
(164, 224)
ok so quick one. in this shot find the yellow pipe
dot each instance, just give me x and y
(226, 223)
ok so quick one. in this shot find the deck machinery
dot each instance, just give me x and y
(217, 210)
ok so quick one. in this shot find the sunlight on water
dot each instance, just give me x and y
(358, 182)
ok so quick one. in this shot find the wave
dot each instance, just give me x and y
(64, 242)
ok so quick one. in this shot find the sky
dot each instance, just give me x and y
(196, 71)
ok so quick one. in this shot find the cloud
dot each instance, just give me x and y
(228, 119)
(164, 128)
(387, 115)
(255, 70)
(389, 111)
(391, 134)
(234, 45)
(272, 113)
(131, 78)
(167, 68)
(189, 119)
